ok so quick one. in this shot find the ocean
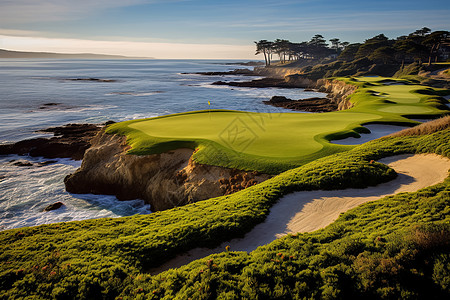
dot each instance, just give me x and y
(37, 94)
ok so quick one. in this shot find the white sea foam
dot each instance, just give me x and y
(136, 94)
(26, 190)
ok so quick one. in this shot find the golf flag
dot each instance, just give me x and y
(209, 103)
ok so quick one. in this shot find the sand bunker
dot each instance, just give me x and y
(376, 131)
(311, 210)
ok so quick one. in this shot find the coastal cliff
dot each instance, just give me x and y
(337, 95)
(338, 91)
(284, 77)
(163, 180)
(275, 72)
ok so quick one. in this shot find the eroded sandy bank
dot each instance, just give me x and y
(311, 210)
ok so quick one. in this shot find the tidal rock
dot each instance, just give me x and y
(46, 163)
(314, 104)
(54, 206)
(69, 141)
(260, 83)
(49, 105)
(245, 72)
(23, 163)
(90, 79)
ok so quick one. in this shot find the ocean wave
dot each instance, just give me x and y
(136, 94)
(26, 189)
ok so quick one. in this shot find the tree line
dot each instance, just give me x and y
(419, 46)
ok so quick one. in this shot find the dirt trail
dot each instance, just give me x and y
(311, 210)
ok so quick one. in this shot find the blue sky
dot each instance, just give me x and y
(181, 23)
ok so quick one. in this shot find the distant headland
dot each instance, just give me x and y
(20, 54)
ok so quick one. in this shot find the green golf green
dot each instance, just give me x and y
(269, 135)
(272, 143)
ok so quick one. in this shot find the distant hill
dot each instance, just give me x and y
(19, 54)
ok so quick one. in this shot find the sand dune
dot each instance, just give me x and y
(311, 210)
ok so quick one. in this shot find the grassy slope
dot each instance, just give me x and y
(106, 257)
(272, 143)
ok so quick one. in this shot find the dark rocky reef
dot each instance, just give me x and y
(90, 79)
(69, 141)
(314, 104)
(244, 72)
(249, 63)
(260, 83)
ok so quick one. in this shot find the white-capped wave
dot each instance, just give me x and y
(25, 191)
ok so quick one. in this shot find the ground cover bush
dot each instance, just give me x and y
(107, 258)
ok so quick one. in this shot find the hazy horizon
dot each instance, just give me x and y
(201, 29)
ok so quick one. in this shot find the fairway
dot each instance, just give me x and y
(406, 109)
(272, 143)
(400, 93)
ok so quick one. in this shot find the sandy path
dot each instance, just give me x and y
(311, 210)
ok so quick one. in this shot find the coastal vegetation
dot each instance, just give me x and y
(419, 46)
(260, 141)
(391, 248)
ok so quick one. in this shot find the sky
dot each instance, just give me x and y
(209, 29)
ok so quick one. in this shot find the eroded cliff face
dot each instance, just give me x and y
(276, 72)
(338, 91)
(163, 180)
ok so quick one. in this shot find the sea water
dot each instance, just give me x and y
(126, 89)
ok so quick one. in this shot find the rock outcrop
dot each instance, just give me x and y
(54, 206)
(163, 180)
(315, 104)
(69, 141)
(259, 83)
(243, 72)
(338, 91)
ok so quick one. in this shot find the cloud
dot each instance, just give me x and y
(19, 32)
(352, 21)
(136, 49)
(31, 11)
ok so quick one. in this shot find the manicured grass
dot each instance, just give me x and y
(272, 143)
(106, 258)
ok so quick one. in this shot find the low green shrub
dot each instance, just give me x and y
(107, 258)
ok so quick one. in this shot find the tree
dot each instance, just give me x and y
(335, 44)
(410, 48)
(422, 32)
(299, 50)
(372, 44)
(349, 53)
(344, 45)
(318, 47)
(383, 54)
(281, 47)
(433, 41)
(264, 47)
(318, 41)
(261, 48)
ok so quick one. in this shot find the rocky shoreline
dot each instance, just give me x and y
(241, 72)
(69, 141)
(314, 104)
(337, 91)
(169, 179)
(260, 83)
(163, 180)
